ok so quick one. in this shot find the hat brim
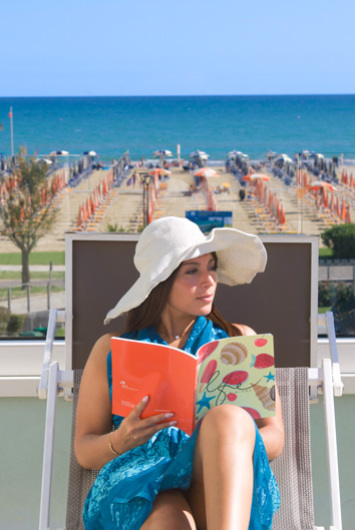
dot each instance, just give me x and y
(240, 257)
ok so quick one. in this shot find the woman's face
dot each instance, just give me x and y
(194, 287)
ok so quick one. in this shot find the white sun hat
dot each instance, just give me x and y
(168, 241)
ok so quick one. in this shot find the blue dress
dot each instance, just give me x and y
(123, 493)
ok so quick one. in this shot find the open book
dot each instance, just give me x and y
(235, 370)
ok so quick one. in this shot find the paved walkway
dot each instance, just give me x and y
(33, 268)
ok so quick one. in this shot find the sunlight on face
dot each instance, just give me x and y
(194, 287)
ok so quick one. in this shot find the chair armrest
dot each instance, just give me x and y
(327, 321)
(54, 317)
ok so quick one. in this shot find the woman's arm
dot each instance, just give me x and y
(93, 434)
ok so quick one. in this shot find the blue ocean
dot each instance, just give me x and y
(215, 124)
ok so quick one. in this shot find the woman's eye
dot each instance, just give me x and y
(191, 271)
(214, 267)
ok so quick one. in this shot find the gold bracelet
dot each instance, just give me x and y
(111, 448)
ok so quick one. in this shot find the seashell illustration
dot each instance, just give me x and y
(265, 394)
(233, 353)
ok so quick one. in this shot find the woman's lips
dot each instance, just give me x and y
(206, 298)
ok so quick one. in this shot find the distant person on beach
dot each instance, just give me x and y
(153, 475)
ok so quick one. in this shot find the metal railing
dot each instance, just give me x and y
(26, 299)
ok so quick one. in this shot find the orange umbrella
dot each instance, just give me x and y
(255, 176)
(343, 211)
(206, 172)
(320, 184)
(348, 215)
(157, 172)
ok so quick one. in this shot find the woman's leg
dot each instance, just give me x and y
(221, 490)
(171, 511)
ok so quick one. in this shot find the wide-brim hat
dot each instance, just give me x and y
(168, 241)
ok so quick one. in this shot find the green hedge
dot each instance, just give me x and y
(341, 239)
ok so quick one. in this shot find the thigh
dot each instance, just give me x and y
(171, 511)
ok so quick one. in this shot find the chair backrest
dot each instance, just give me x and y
(80, 479)
(283, 300)
(292, 469)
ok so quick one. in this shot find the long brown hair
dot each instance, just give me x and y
(149, 312)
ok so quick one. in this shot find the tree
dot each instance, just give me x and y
(27, 210)
(341, 239)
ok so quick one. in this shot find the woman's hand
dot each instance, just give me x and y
(135, 431)
(94, 416)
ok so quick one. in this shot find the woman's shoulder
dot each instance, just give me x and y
(101, 348)
(244, 329)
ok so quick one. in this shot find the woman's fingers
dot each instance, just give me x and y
(135, 431)
(139, 408)
(152, 420)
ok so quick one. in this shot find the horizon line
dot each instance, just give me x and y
(177, 95)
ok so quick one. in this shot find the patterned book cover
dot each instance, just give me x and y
(239, 371)
(235, 370)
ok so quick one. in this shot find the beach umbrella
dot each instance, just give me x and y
(158, 171)
(90, 153)
(45, 160)
(321, 184)
(199, 154)
(234, 154)
(343, 211)
(348, 214)
(337, 207)
(60, 152)
(255, 176)
(206, 172)
(163, 153)
(284, 158)
(325, 198)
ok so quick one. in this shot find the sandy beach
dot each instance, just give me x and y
(123, 206)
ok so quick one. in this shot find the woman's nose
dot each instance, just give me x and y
(208, 278)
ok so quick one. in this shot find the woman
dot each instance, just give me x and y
(154, 476)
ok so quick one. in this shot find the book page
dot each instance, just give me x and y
(237, 371)
(167, 375)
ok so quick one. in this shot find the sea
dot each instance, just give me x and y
(215, 124)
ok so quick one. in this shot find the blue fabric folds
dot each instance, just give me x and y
(125, 489)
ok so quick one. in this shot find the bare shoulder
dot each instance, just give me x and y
(100, 350)
(244, 329)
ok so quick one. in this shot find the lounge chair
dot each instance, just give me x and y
(293, 261)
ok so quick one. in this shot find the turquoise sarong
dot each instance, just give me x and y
(124, 491)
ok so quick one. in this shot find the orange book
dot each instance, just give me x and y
(234, 370)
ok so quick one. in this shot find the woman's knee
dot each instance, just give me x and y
(171, 511)
(231, 421)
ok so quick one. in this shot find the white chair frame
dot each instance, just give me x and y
(325, 379)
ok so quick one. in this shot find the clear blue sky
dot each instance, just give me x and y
(156, 47)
